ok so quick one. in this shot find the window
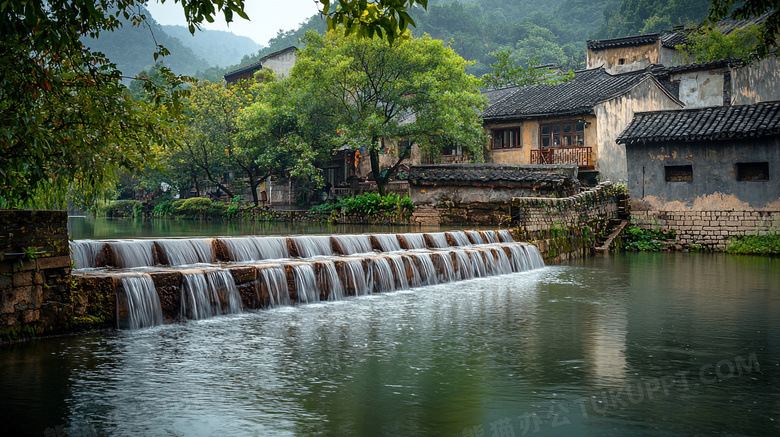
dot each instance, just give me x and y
(752, 171)
(679, 173)
(622, 61)
(570, 133)
(506, 138)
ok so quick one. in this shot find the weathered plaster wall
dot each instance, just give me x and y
(529, 135)
(34, 273)
(668, 57)
(714, 186)
(756, 83)
(709, 229)
(635, 58)
(615, 115)
(700, 89)
(282, 63)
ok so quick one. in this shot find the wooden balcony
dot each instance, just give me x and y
(562, 155)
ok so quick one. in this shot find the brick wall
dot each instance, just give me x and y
(34, 273)
(565, 228)
(709, 229)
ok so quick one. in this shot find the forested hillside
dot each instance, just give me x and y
(131, 48)
(218, 48)
(553, 30)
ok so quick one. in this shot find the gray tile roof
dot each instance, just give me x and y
(483, 174)
(254, 66)
(576, 97)
(725, 26)
(629, 41)
(705, 124)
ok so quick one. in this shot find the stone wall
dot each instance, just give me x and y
(709, 229)
(566, 227)
(34, 273)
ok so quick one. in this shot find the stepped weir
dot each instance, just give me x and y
(154, 281)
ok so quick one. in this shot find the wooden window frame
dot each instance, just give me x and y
(513, 135)
(557, 131)
(678, 173)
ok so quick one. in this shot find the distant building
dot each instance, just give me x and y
(280, 62)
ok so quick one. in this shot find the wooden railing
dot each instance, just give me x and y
(562, 155)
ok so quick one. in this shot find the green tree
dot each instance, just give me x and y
(710, 45)
(506, 72)
(384, 18)
(416, 90)
(740, 10)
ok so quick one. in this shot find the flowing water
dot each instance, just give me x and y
(636, 344)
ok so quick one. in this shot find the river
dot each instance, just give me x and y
(631, 344)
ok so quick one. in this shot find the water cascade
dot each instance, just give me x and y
(352, 244)
(187, 251)
(305, 283)
(226, 275)
(384, 280)
(414, 241)
(208, 293)
(139, 305)
(388, 242)
(85, 252)
(475, 237)
(460, 238)
(256, 248)
(132, 253)
(310, 246)
(272, 281)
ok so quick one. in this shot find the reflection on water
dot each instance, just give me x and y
(104, 228)
(641, 344)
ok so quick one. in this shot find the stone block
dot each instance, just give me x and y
(20, 266)
(23, 279)
(53, 262)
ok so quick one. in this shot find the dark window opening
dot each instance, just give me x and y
(679, 173)
(621, 61)
(506, 138)
(752, 171)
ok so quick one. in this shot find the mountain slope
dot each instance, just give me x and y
(218, 47)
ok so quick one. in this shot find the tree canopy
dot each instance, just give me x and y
(416, 90)
(769, 33)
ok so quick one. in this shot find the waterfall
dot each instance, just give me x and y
(476, 237)
(460, 238)
(463, 262)
(414, 273)
(502, 261)
(383, 275)
(490, 237)
(310, 246)
(535, 259)
(505, 236)
(143, 303)
(208, 293)
(305, 283)
(352, 244)
(438, 240)
(447, 273)
(355, 277)
(328, 275)
(256, 248)
(188, 251)
(132, 253)
(518, 258)
(477, 263)
(85, 252)
(427, 270)
(388, 242)
(402, 282)
(414, 241)
(275, 281)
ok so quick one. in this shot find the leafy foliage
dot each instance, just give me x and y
(635, 17)
(384, 18)
(120, 208)
(635, 239)
(710, 45)
(739, 10)
(416, 89)
(754, 245)
(505, 73)
(370, 204)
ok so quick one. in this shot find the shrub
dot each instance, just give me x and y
(120, 208)
(193, 207)
(645, 239)
(754, 245)
(370, 204)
